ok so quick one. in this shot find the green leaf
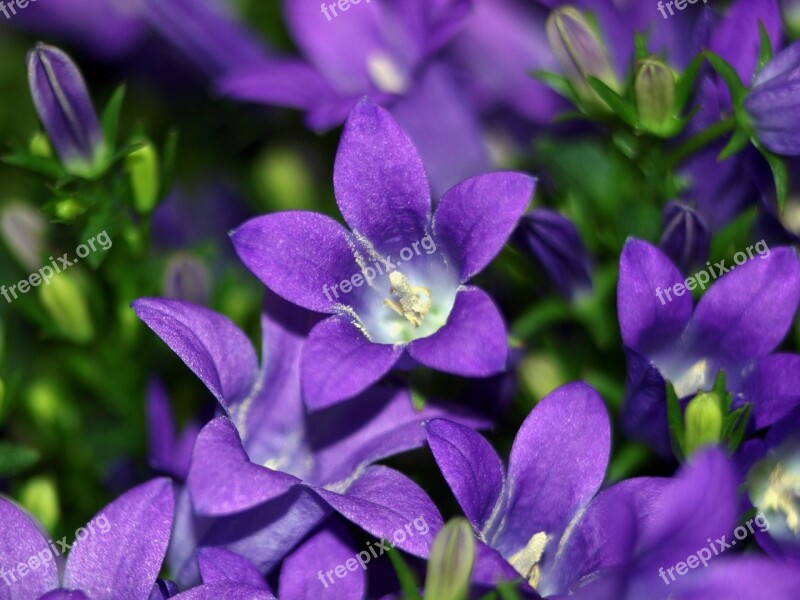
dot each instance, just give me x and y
(642, 51)
(617, 103)
(110, 118)
(15, 459)
(676, 425)
(738, 142)
(49, 167)
(508, 590)
(558, 83)
(685, 84)
(736, 426)
(765, 52)
(729, 75)
(408, 581)
(169, 163)
(780, 172)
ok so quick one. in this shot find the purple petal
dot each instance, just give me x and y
(475, 219)
(390, 506)
(122, 558)
(491, 568)
(380, 183)
(65, 595)
(229, 591)
(298, 255)
(161, 427)
(473, 342)
(304, 575)
(64, 106)
(22, 540)
(557, 464)
(470, 465)
(773, 387)
(223, 480)
(438, 117)
(644, 413)
(746, 578)
(218, 565)
(647, 322)
(749, 311)
(210, 344)
(339, 362)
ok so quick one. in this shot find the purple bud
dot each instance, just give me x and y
(65, 108)
(687, 237)
(774, 102)
(555, 244)
(187, 278)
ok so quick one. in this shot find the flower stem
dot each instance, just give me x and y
(701, 140)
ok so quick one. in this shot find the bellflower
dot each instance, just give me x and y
(557, 464)
(265, 473)
(118, 554)
(555, 244)
(735, 327)
(65, 108)
(686, 238)
(170, 453)
(396, 284)
(773, 104)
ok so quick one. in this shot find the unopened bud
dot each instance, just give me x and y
(703, 421)
(143, 171)
(655, 95)
(451, 561)
(23, 229)
(66, 304)
(187, 278)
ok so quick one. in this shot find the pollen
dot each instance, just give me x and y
(782, 495)
(385, 74)
(527, 560)
(413, 302)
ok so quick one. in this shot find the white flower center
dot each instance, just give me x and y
(527, 560)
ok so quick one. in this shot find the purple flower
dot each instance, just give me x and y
(553, 242)
(557, 465)
(65, 108)
(687, 237)
(735, 327)
(266, 473)
(118, 554)
(773, 103)
(397, 283)
(170, 453)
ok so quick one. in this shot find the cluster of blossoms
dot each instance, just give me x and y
(268, 496)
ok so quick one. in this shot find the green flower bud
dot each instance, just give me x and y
(69, 208)
(66, 304)
(143, 171)
(655, 95)
(703, 421)
(451, 561)
(580, 52)
(23, 229)
(40, 145)
(791, 15)
(40, 496)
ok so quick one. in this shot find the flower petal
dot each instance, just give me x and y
(306, 568)
(557, 463)
(223, 480)
(218, 565)
(229, 591)
(124, 560)
(22, 538)
(380, 183)
(475, 218)
(210, 344)
(773, 387)
(471, 466)
(339, 362)
(299, 255)
(749, 311)
(388, 505)
(647, 322)
(473, 342)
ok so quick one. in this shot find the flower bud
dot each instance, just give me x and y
(23, 229)
(66, 111)
(40, 497)
(579, 51)
(687, 236)
(554, 243)
(143, 171)
(703, 421)
(655, 95)
(187, 278)
(40, 145)
(66, 304)
(773, 103)
(791, 16)
(451, 561)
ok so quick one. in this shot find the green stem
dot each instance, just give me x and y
(701, 140)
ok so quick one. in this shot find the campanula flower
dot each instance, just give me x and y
(686, 238)
(65, 108)
(395, 285)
